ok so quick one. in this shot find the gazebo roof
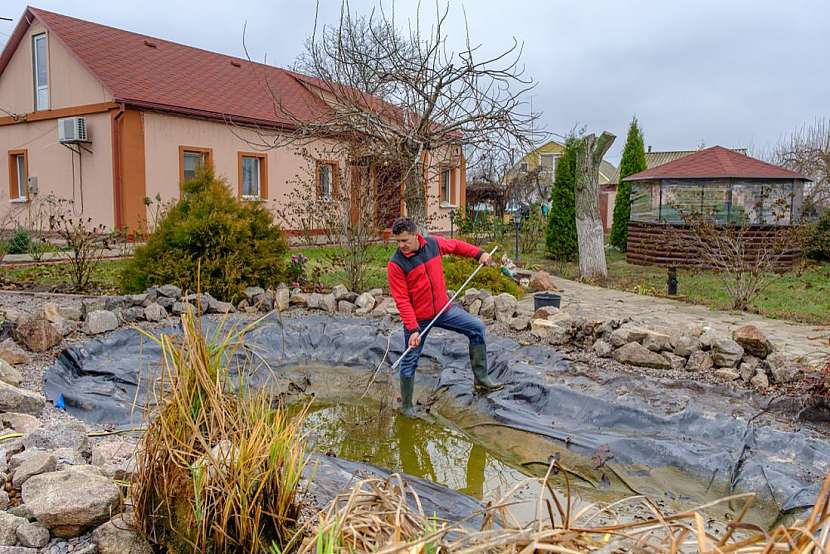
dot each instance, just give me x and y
(714, 163)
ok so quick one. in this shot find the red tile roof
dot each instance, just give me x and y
(716, 162)
(155, 73)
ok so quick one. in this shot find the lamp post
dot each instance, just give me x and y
(517, 225)
(671, 282)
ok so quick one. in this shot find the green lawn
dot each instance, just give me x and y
(802, 295)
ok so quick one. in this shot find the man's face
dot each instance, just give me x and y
(407, 242)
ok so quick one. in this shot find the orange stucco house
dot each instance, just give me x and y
(107, 118)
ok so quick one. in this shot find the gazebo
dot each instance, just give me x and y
(729, 187)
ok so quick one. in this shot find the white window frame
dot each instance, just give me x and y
(22, 178)
(258, 177)
(326, 194)
(445, 194)
(41, 89)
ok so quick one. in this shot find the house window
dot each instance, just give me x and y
(191, 160)
(548, 163)
(18, 175)
(253, 175)
(326, 176)
(446, 186)
(40, 59)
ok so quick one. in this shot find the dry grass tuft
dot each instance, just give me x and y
(218, 470)
(385, 516)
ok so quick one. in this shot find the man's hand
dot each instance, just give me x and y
(486, 259)
(414, 339)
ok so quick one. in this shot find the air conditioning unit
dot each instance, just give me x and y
(72, 130)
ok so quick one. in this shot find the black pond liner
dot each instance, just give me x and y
(699, 431)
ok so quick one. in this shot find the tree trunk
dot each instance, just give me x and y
(589, 154)
(415, 194)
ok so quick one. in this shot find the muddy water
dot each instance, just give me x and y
(423, 448)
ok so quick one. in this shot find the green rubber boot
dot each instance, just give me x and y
(482, 380)
(407, 385)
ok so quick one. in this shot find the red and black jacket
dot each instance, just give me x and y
(416, 280)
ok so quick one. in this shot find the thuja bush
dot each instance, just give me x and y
(211, 240)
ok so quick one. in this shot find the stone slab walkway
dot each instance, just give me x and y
(809, 344)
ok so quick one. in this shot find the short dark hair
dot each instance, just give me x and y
(403, 224)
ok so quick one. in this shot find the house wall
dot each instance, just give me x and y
(51, 163)
(438, 212)
(70, 83)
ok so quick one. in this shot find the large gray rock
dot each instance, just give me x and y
(685, 344)
(13, 399)
(635, 353)
(133, 313)
(345, 307)
(263, 302)
(760, 381)
(69, 502)
(19, 423)
(37, 334)
(215, 306)
(155, 312)
(726, 352)
(142, 300)
(376, 292)
(8, 528)
(89, 305)
(170, 291)
(677, 362)
(314, 301)
(328, 302)
(11, 352)
(708, 338)
(699, 361)
(753, 340)
(26, 550)
(115, 457)
(627, 334)
(470, 295)
(782, 369)
(72, 312)
(299, 299)
(100, 321)
(365, 303)
(72, 434)
(488, 308)
(40, 462)
(32, 535)
(727, 373)
(117, 303)
(541, 328)
(506, 305)
(340, 292)
(252, 292)
(118, 536)
(9, 375)
(520, 323)
(180, 308)
(657, 342)
(474, 307)
(166, 302)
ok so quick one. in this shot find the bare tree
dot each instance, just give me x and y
(807, 151)
(405, 99)
(589, 153)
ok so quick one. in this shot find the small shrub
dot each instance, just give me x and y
(230, 244)
(818, 239)
(85, 242)
(19, 242)
(297, 270)
(456, 271)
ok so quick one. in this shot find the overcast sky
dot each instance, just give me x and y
(735, 73)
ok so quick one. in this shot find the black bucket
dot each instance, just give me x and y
(541, 299)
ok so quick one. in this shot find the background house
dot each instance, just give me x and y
(149, 112)
(608, 191)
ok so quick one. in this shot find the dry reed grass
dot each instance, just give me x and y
(217, 470)
(385, 516)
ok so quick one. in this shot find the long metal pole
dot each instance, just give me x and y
(447, 305)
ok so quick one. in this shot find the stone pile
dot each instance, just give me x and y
(57, 486)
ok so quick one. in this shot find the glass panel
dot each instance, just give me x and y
(645, 198)
(41, 73)
(21, 176)
(250, 177)
(548, 162)
(445, 186)
(325, 181)
(192, 162)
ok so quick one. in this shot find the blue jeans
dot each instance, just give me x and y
(454, 319)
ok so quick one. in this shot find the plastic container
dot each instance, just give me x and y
(541, 299)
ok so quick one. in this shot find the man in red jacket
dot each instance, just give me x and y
(416, 281)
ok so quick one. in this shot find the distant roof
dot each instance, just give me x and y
(156, 73)
(716, 162)
(653, 159)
